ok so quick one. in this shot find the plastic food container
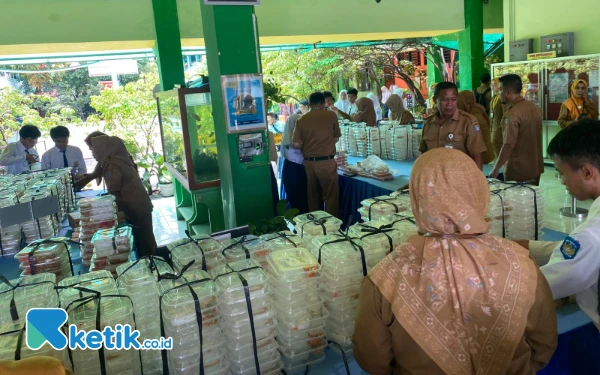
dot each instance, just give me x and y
(244, 248)
(230, 284)
(96, 202)
(291, 290)
(187, 250)
(317, 223)
(35, 291)
(382, 240)
(295, 265)
(41, 252)
(282, 240)
(99, 281)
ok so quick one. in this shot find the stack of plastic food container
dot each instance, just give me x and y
(246, 247)
(397, 142)
(360, 139)
(26, 293)
(112, 247)
(300, 313)
(382, 238)
(96, 213)
(44, 227)
(342, 271)
(98, 281)
(495, 214)
(244, 349)
(9, 343)
(375, 141)
(282, 240)
(50, 256)
(378, 207)
(185, 250)
(113, 311)
(11, 235)
(139, 282)
(523, 203)
(417, 136)
(404, 223)
(181, 323)
(341, 158)
(314, 224)
(343, 143)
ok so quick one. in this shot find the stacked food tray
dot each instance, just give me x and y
(344, 141)
(250, 342)
(112, 247)
(26, 293)
(193, 332)
(397, 142)
(375, 141)
(525, 212)
(417, 136)
(196, 249)
(51, 256)
(378, 207)
(404, 223)
(138, 280)
(360, 141)
(314, 224)
(112, 311)
(341, 158)
(96, 213)
(343, 265)
(381, 237)
(282, 241)
(246, 247)
(11, 235)
(11, 337)
(97, 281)
(43, 227)
(300, 313)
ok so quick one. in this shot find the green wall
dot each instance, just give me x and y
(83, 21)
(533, 18)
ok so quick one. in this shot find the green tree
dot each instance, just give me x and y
(75, 89)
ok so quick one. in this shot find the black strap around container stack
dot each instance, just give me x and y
(38, 243)
(499, 194)
(343, 237)
(380, 200)
(346, 366)
(198, 310)
(241, 243)
(249, 306)
(313, 220)
(14, 314)
(535, 206)
(385, 229)
(284, 236)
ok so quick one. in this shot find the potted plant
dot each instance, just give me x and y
(155, 166)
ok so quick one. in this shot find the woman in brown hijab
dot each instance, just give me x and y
(397, 111)
(454, 300)
(366, 112)
(466, 102)
(123, 181)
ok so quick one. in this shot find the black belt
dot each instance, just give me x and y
(320, 158)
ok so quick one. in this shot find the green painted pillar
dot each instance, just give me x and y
(470, 46)
(433, 74)
(231, 39)
(168, 44)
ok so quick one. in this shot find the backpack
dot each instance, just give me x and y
(480, 99)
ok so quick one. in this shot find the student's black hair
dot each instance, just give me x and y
(352, 92)
(304, 102)
(272, 115)
(512, 82)
(316, 98)
(577, 144)
(486, 78)
(328, 94)
(59, 132)
(444, 86)
(30, 131)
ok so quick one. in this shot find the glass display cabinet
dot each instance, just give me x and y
(189, 145)
(547, 83)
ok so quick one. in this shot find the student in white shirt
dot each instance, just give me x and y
(18, 156)
(63, 155)
(572, 267)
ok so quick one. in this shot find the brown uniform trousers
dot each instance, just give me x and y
(497, 135)
(317, 131)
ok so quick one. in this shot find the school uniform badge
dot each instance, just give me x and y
(569, 247)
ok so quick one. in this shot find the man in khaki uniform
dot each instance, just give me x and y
(316, 133)
(522, 128)
(451, 127)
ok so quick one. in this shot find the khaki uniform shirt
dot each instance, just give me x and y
(522, 128)
(461, 132)
(318, 131)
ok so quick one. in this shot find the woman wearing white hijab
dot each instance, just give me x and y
(378, 110)
(343, 104)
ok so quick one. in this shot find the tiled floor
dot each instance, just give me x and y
(167, 228)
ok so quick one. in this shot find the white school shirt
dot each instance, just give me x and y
(53, 158)
(14, 158)
(574, 264)
(353, 109)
